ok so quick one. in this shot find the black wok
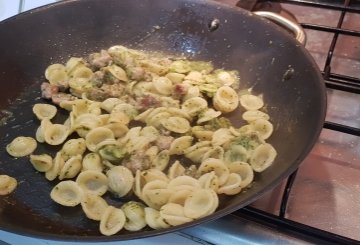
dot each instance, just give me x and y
(269, 60)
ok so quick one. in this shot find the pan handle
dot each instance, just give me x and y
(289, 25)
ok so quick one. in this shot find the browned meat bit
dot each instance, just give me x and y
(97, 79)
(48, 90)
(147, 101)
(164, 142)
(101, 59)
(59, 97)
(137, 161)
(106, 91)
(136, 73)
(181, 89)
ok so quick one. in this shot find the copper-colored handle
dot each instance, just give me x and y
(291, 26)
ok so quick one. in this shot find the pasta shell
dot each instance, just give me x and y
(208, 115)
(216, 165)
(161, 160)
(96, 136)
(157, 119)
(232, 186)
(197, 155)
(216, 152)
(209, 181)
(82, 72)
(7, 184)
(43, 111)
(251, 102)
(221, 137)
(176, 78)
(183, 183)
(74, 147)
(56, 134)
(192, 92)
(262, 157)
(225, 99)
(155, 194)
(142, 116)
(120, 180)
(173, 214)
(73, 63)
(93, 182)
(112, 221)
(180, 196)
(128, 109)
(236, 153)
(21, 146)
(150, 132)
(67, 193)
(41, 163)
(154, 220)
(56, 74)
(118, 129)
(109, 104)
(244, 170)
(177, 112)
(135, 216)
(93, 206)
(199, 204)
(85, 122)
(118, 72)
(176, 124)
(201, 133)
(263, 127)
(178, 146)
(176, 169)
(118, 117)
(254, 115)
(154, 174)
(152, 152)
(163, 85)
(92, 161)
(57, 165)
(71, 168)
(194, 105)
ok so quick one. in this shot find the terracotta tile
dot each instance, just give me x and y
(326, 192)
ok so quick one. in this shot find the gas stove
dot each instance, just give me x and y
(319, 203)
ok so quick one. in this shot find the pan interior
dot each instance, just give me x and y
(260, 51)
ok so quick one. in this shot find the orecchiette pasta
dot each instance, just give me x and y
(92, 181)
(146, 125)
(120, 180)
(41, 163)
(225, 99)
(43, 111)
(251, 102)
(67, 193)
(112, 221)
(93, 206)
(21, 146)
(135, 216)
(7, 184)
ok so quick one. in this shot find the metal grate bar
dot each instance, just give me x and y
(343, 83)
(328, 5)
(327, 67)
(342, 128)
(286, 194)
(300, 230)
(331, 29)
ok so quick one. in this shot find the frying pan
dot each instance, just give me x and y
(269, 60)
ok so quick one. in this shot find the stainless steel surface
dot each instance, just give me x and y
(287, 24)
(234, 230)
